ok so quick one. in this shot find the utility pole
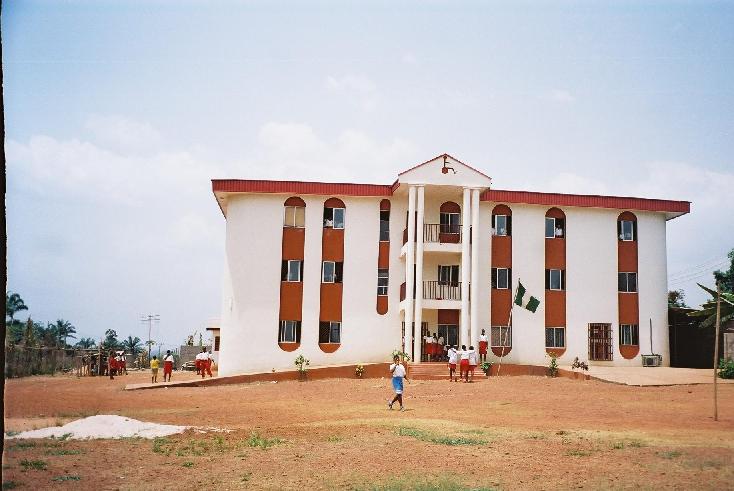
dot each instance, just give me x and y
(716, 349)
(150, 318)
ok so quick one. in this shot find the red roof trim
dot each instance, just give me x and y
(298, 187)
(586, 201)
(445, 155)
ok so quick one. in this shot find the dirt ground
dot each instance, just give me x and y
(498, 433)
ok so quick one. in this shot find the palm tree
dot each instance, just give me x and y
(709, 308)
(86, 343)
(64, 329)
(110, 339)
(13, 304)
(132, 345)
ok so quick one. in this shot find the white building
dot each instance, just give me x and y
(319, 269)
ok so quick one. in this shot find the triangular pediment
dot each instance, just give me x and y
(445, 170)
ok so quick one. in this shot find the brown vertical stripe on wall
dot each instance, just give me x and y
(331, 294)
(331, 302)
(628, 303)
(555, 300)
(501, 300)
(291, 293)
(555, 308)
(555, 254)
(332, 245)
(626, 256)
(501, 303)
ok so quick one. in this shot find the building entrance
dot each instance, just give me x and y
(600, 342)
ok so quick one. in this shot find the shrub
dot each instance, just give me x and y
(579, 364)
(38, 465)
(553, 366)
(486, 366)
(726, 368)
(402, 354)
(301, 364)
(359, 371)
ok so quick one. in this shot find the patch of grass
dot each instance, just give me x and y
(67, 478)
(10, 484)
(441, 440)
(38, 465)
(670, 455)
(188, 464)
(65, 436)
(258, 441)
(162, 445)
(472, 431)
(246, 476)
(12, 433)
(578, 453)
(334, 438)
(618, 445)
(635, 444)
(410, 483)
(535, 436)
(22, 445)
(63, 451)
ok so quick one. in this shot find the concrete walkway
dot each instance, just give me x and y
(653, 376)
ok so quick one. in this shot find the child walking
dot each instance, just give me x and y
(452, 355)
(483, 346)
(472, 361)
(464, 363)
(398, 374)
(154, 366)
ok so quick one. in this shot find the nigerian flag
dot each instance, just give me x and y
(520, 299)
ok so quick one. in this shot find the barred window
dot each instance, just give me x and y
(501, 336)
(629, 335)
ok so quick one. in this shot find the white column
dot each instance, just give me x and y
(409, 261)
(475, 301)
(465, 268)
(419, 273)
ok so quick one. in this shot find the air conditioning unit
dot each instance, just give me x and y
(652, 360)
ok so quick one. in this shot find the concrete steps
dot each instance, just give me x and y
(436, 371)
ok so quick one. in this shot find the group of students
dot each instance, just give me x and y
(435, 350)
(203, 363)
(116, 364)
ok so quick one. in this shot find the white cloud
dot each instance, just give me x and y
(562, 96)
(357, 89)
(409, 58)
(123, 134)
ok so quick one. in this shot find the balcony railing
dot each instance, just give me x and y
(436, 290)
(440, 233)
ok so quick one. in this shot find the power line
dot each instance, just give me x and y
(150, 318)
(706, 264)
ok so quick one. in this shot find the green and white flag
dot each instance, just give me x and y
(529, 303)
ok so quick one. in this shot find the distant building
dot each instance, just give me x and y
(319, 269)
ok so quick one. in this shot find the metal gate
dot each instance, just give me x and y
(600, 342)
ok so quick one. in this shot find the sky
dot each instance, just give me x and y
(118, 115)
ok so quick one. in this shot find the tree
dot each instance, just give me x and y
(677, 298)
(29, 334)
(133, 345)
(86, 343)
(64, 329)
(13, 305)
(708, 309)
(110, 339)
(726, 278)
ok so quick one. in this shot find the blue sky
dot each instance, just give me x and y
(119, 113)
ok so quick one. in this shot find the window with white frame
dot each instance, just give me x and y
(555, 228)
(555, 279)
(289, 332)
(501, 225)
(382, 281)
(502, 278)
(450, 223)
(294, 216)
(501, 336)
(555, 337)
(291, 270)
(629, 335)
(626, 230)
(330, 332)
(334, 218)
(448, 275)
(331, 272)
(627, 282)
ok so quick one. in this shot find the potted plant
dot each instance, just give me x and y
(486, 367)
(301, 365)
(359, 371)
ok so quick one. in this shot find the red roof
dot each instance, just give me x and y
(299, 187)
(586, 201)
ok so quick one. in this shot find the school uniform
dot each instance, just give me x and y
(429, 345)
(483, 344)
(398, 374)
(453, 356)
(472, 361)
(167, 365)
(464, 363)
(208, 363)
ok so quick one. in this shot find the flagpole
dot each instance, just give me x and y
(512, 306)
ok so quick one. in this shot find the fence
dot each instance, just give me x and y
(21, 361)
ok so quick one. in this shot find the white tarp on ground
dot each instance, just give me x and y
(104, 426)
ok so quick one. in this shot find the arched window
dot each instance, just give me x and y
(502, 221)
(450, 218)
(294, 215)
(627, 227)
(555, 224)
(334, 211)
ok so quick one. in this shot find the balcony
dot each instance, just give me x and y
(438, 233)
(436, 290)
